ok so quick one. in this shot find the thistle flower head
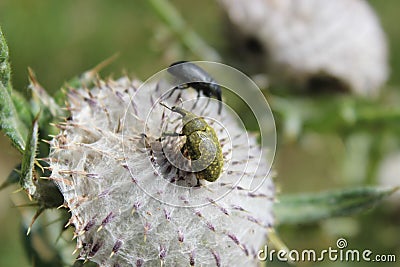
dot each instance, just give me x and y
(131, 202)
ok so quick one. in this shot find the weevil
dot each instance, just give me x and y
(202, 146)
(187, 71)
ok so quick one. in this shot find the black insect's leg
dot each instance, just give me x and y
(175, 177)
(180, 87)
(205, 108)
(219, 104)
(172, 91)
(198, 97)
(198, 183)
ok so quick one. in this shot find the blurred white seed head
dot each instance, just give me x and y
(388, 174)
(312, 43)
(131, 207)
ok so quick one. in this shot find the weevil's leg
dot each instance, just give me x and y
(174, 121)
(170, 134)
(144, 141)
(183, 150)
(153, 159)
(179, 97)
(165, 134)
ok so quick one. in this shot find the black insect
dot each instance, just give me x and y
(186, 71)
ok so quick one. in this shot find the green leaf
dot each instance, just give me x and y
(308, 208)
(10, 122)
(28, 160)
(5, 70)
(22, 107)
(50, 112)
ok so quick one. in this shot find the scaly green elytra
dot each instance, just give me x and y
(202, 146)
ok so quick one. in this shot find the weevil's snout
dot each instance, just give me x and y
(174, 109)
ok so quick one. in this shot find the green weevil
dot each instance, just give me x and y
(202, 146)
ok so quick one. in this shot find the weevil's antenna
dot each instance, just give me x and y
(181, 102)
(175, 109)
(164, 105)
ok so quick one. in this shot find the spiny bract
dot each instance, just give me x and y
(131, 207)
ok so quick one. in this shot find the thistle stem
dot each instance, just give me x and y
(189, 38)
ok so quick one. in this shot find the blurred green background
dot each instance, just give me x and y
(61, 39)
